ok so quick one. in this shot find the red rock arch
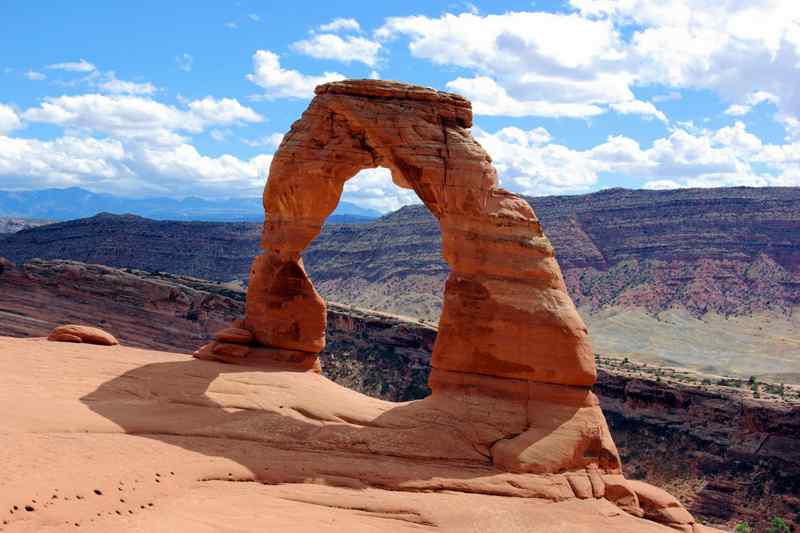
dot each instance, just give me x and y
(506, 311)
(510, 341)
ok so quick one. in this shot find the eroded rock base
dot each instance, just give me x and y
(151, 441)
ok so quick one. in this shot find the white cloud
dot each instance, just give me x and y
(31, 163)
(341, 24)
(597, 55)
(134, 117)
(75, 66)
(637, 107)
(223, 111)
(738, 137)
(273, 141)
(113, 166)
(347, 49)
(184, 62)
(489, 98)
(231, 25)
(284, 83)
(538, 63)
(116, 86)
(751, 101)
(531, 163)
(35, 76)
(8, 119)
(737, 110)
(254, 17)
(374, 189)
(188, 170)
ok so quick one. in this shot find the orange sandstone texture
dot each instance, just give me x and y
(76, 333)
(512, 363)
(147, 441)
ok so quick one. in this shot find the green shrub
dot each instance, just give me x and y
(742, 527)
(778, 525)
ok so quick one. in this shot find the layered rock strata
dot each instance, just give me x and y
(512, 364)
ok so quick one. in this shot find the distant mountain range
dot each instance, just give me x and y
(72, 203)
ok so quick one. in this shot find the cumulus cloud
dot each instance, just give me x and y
(751, 101)
(131, 145)
(73, 66)
(67, 161)
(348, 49)
(8, 119)
(341, 24)
(113, 165)
(373, 188)
(598, 54)
(532, 163)
(273, 141)
(637, 107)
(134, 117)
(116, 86)
(526, 63)
(284, 83)
(489, 98)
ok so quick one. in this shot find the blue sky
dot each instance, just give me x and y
(190, 98)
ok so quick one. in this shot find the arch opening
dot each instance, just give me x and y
(378, 251)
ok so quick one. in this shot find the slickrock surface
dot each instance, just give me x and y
(150, 441)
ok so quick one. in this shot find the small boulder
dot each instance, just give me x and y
(87, 334)
(64, 337)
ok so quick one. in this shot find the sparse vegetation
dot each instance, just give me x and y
(742, 527)
(778, 525)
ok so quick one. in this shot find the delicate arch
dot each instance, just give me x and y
(506, 311)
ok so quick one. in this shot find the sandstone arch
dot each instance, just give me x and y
(506, 312)
(508, 328)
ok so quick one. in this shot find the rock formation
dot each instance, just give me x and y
(512, 364)
(77, 333)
